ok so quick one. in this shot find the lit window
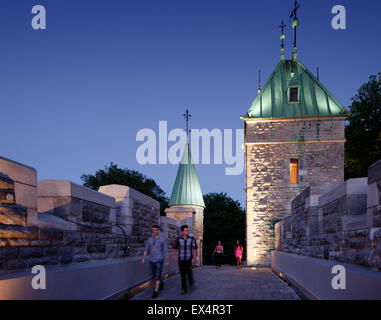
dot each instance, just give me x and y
(294, 171)
(294, 94)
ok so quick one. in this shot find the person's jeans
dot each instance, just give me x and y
(185, 267)
(156, 268)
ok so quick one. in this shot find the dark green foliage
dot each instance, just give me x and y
(131, 178)
(363, 132)
(224, 220)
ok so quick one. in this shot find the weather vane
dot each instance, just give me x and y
(295, 25)
(187, 116)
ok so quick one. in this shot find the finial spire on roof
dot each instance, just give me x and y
(187, 116)
(317, 73)
(259, 86)
(282, 37)
(295, 25)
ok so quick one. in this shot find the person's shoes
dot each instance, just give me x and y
(155, 295)
(161, 286)
(191, 287)
(183, 291)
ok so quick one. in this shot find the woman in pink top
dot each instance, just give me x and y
(218, 253)
(238, 251)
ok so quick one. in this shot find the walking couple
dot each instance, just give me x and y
(184, 252)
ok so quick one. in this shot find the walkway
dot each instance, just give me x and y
(228, 283)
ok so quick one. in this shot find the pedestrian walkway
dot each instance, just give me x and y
(227, 283)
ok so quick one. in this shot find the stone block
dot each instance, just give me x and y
(30, 252)
(65, 255)
(26, 195)
(16, 264)
(50, 221)
(72, 238)
(18, 172)
(63, 188)
(357, 186)
(50, 251)
(374, 172)
(51, 235)
(40, 243)
(13, 214)
(19, 242)
(18, 232)
(96, 248)
(9, 252)
(6, 182)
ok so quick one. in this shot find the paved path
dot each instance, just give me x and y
(227, 283)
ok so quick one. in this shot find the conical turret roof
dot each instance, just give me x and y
(186, 190)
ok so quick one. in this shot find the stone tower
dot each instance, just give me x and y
(294, 138)
(187, 205)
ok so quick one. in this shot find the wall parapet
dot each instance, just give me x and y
(343, 224)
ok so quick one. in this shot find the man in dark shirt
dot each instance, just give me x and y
(185, 252)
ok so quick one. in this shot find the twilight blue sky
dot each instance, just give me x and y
(73, 97)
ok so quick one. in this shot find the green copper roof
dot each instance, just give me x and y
(187, 187)
(314, 99)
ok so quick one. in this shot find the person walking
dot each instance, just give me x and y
(238, 251)
(185, 252)
(157, 249)
(218, 254)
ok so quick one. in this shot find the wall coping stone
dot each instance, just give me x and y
(354, 186)
(65, 188)
(374, 172)
(120, 191)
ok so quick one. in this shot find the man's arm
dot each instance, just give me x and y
(146, 251)
(195, 250)
(174, 250)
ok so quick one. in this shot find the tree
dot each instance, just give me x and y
(131, 178)
(363, 132)
(224, 220)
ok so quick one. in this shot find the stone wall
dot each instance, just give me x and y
(169, 230)
(319, 146)
(342, 225)
(24, 184)
(74, 224)
(136, 213)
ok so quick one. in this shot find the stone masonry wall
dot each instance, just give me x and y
(76, 231)
(136, 213)
(319, 146)
(337, 225)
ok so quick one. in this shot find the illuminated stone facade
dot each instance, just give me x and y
(317, 143)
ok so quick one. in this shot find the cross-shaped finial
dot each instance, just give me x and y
(187, 116)
(282, 26)
(294, 12)
(295, 25)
